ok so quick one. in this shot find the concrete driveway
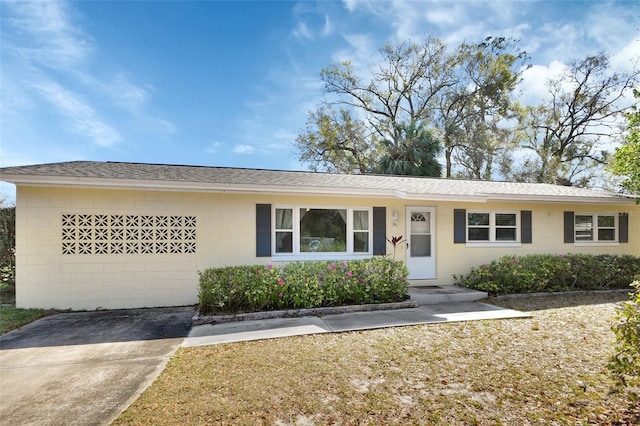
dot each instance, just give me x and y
(85, 368)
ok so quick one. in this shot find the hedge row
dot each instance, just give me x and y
(301, 285)
(625, 363)
(548, 273)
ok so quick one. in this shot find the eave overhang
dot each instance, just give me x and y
(237, 188)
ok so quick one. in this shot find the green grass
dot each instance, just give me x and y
(12, 317)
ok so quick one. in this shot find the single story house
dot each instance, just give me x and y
(113, 235)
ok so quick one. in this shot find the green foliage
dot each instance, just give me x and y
(414, 153)
(626, 160)
(337, 142)
(548, 273)
(7, 232)
(365, 123)
(473, 117)
(7, 244)
(301, 285)
(6, 277)
(625, 363)
(12, 318)
(562, 135)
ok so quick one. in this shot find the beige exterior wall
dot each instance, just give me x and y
(548, 235)
(226, 235)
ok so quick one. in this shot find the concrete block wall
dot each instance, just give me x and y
(226, 235)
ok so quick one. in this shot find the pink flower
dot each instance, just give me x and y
(269, 266)
(332, 266)
(280, 295)
(515, 261)
(349, 274)
(280, 281)
(344, 264)
(561, 255)
(483, 266)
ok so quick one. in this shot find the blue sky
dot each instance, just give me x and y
(231, 83)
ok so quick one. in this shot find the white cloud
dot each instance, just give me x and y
(444, 14)
(627, 59)
(213, 147)
(351, 5)
(127, 94)
(48, 35)
(80, 117)
(534, 81)
(608, 25)
(244, 149)
(312, 21)
(328, 29)
(302, 31)
(360, 52)
(50, 55)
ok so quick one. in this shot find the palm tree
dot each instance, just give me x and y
(414, 154)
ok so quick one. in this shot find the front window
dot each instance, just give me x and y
(595, 228)
(323, 230)
(311, 230)
(284, 231)
(361, 231)
(479, 226)
(506, 227)
(492, 227)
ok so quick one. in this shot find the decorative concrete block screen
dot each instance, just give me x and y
(128, 234)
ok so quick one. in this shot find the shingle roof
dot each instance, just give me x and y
(176, 177)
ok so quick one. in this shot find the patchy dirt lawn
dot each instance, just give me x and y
(550, 369)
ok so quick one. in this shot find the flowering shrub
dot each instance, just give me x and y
(302, 285)
(625, 364)
(550, 272)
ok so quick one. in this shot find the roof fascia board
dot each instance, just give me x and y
(564, 199)
(106, 183)
(440, 197)
(137, 184)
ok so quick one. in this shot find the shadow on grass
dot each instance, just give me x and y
(541, 302)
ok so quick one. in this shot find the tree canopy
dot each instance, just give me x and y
(429, 109)
(626, 159)
(414, 153)
(374, 115)
(565, 133)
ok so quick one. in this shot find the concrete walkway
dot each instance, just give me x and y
(211, 334)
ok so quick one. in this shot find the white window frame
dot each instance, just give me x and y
(492, 241)
(594, 228)
(349, 254)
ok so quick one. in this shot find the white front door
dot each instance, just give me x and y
(421, 253)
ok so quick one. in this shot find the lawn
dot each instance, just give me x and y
(550, 369)
(12, 317)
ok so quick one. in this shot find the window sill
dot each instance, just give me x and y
(597, 244)
(484, 244)
(319, 256)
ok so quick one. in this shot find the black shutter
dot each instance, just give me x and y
(568, 227)
(263, 230)
(623, 228)
(379, 230)
(459, 226)
(526, 236)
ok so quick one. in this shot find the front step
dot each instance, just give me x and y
(430, 295)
